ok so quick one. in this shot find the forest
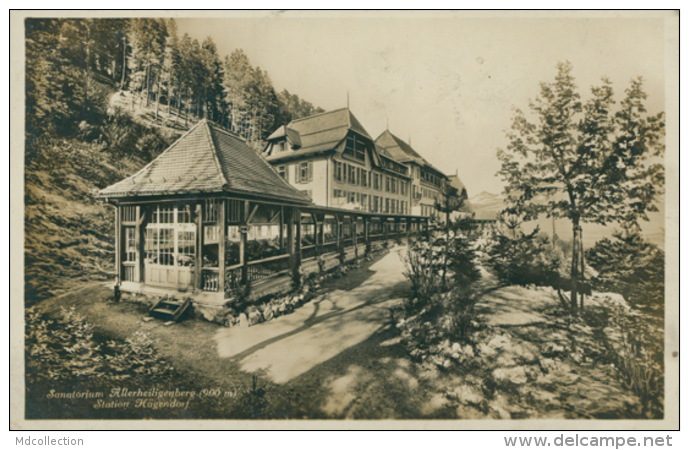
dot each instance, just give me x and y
(103, 98)
(74, 65)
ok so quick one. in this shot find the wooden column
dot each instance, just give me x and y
(291, 247)
(337, 230)
(320, 235)
(244, 236)
(222, 231)
(367, 226)
(139, 233)
(118, 244)
(354, 220)
(198, 265)
(282, 226)
(297, 239)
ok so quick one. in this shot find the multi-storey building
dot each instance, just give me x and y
(427, 182)
(332, 158)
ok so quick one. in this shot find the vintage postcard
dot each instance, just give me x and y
(420, 219)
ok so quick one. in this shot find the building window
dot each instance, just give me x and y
(364, 177)
(166, 247)
(355, 148)
(352, 175)
(282, 171)
(338, 193)
(305, 172)
(376, 181)
(130, 245)
(338, 171)
(186, 248)
(351, 197)
(387, 183)
(364, 201)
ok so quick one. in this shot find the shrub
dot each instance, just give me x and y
(630, 265)
(634, 345)
(66, 350)
(439, 312)
(523, 259)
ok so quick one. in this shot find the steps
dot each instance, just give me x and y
(169, 309)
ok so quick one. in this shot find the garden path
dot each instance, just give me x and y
(291, 345)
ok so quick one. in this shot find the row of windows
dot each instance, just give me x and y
(348, 173)
(372, 203)
(394, 166)
(429, 193)
(428, 211)
(427, 176)
(304, 172)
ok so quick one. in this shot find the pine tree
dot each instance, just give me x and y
(581, 161)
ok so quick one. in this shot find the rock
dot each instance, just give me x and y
(282, 307)
(254, 318)
(552, 349)
(466, 394)
(268, 314)
(228, 322)
(168, 323)
(148, 318)
(608, 299)
(243, 320)
(510, 375)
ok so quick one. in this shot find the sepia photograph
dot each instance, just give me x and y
(368, 218)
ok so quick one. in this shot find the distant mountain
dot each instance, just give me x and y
(487, 205)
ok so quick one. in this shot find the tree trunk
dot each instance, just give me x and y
(582, 266)
(157, 95)
(124, 61)
(148, 84)
(574, 278)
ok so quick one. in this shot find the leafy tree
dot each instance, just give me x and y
(583, 162)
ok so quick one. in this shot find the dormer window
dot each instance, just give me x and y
(280, 146)
(355, 147)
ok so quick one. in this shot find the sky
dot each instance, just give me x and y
(447, 83)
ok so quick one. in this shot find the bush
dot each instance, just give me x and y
(633, 343)
(66, 350)
(438, 318)
(630, 265)
(524, 259)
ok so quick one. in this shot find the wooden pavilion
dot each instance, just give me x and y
(209, 214)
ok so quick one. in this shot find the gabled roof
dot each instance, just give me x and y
(397, 148)
(401, 151)
(456, 183)
(319, 132)
(292, 135)
(207, 158)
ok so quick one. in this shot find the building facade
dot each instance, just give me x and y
(428, 184)
(332, 159)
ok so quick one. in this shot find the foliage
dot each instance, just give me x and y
(630, 265)
(73, 65)
(523, 259)
(582, 161)
(441, 269)
(633, 343)
(66, 350)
